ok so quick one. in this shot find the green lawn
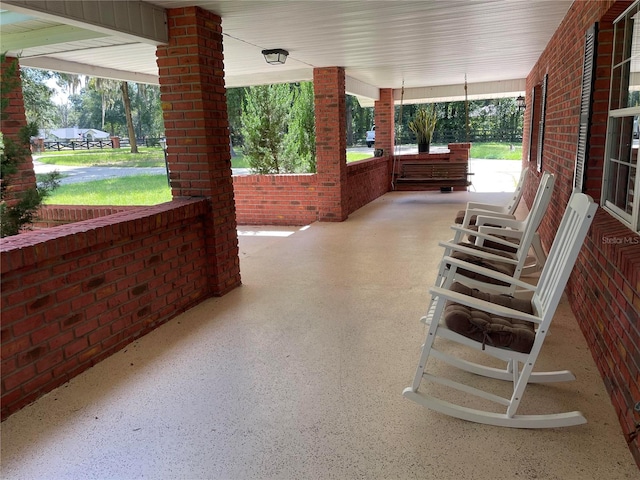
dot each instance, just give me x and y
(496, 151)
(147, 157)
(355, 156)
(130, 190)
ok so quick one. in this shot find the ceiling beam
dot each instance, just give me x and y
(16, 42)
(134, 20)
(360, 89)
(59, 65)
(456, 93)
(264, 78)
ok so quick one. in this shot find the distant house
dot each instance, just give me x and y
(75, 133)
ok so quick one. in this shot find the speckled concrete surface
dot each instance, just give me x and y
(299, 373)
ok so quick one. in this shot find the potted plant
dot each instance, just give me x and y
(423, 125)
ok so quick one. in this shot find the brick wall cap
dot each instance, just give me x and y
(34, 244)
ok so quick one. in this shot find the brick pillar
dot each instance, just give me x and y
(194, 106)
(12, 119)
(384, 112)
(331, 143)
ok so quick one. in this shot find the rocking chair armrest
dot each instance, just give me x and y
(483, 305)
(456, 263)
(463, 230)
(487, 207)
(484, 236)
(503, 222)
(470, 212)
(503, 232)
(476, 253)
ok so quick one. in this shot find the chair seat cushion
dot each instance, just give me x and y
(487, 328)
(497, 246)
(495, 265)
(460, 217)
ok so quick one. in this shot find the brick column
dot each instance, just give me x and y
(384, 112)
(12, 119)
(331, 143)
(197, 130)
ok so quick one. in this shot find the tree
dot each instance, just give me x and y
(17, 213)
(300, 141)
(109, 91)
(265, 115)
(36, 95)
(359, 120)
(235, 102)
(124, 86)
(147, 110)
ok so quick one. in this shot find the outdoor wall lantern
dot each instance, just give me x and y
(521, 103)
(276, 56)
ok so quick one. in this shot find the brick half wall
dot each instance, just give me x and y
(276, 199)
(293, 199)
(73, 295)
(367, 180)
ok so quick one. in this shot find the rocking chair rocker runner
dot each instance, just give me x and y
(511, 330)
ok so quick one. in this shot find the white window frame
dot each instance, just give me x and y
(632, 219)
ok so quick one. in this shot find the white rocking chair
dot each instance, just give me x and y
(518, 236)
(490, 324)
(468, 216)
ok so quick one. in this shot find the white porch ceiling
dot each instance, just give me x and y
(430, 46)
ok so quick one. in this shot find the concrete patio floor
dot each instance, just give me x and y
(299, 373)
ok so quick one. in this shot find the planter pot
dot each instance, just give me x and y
(423, 148)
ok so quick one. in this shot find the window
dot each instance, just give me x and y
(621, 180)
(536, 131)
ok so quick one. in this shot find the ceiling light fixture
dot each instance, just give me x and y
(276, 56)
(521, 103)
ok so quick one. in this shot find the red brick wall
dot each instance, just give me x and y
(605, 284)
(194, 104)
(73, 295)
(368, 180)
(12, 120)
(331, 143)
(276, 199)
(293, 199)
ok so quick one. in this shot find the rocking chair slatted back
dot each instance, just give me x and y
(564, 251)
(535, 215)
(517, 262)
(512, 206)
